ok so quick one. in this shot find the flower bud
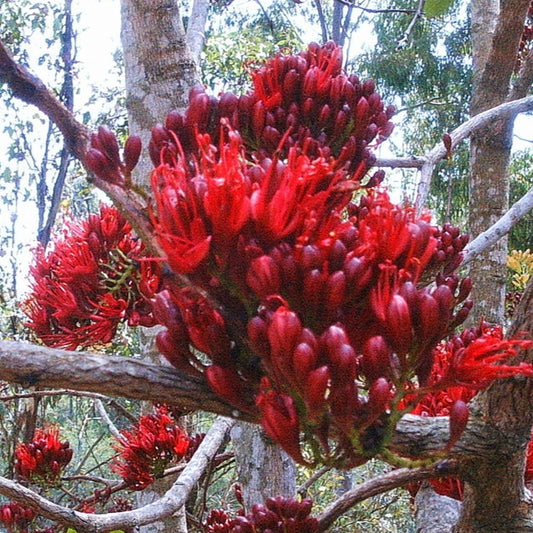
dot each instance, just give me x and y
(398, 324)
(376, 359)
(263, 276)
(459, 414)
(379, 395)
(315, 390)
(225, 382)
(132, 152)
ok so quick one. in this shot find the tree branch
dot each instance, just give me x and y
(32, 90)
(379, 485)
(431, 158)
(196, 28)
(31, 365)
(402, 41)
(167, 505)
(489, 237)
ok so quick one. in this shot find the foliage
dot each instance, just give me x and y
(520, 263)
(430, 76)
(520, 237)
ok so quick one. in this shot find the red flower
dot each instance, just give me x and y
(44, 459)
(289, 194)
(179, 224)
(16, 518)
(227, 196)
(279, 419)
(90, 282)
(478, 364)
(148, 448)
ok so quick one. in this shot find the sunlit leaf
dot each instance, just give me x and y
(435, 8)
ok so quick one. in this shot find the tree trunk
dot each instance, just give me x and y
(488, 202)
(263, 468)
(495, 37)
(496, 500)
(159, 68)
(435, 513)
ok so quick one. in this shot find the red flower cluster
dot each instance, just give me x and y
(316, 307)
(278, 515)
(302, 101)
(94, 278)
(44, 459)
(474, 349)
(16, 518)
(148, 448)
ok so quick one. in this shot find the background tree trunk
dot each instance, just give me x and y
(159, 67)
(160, 70)
(263, 468)
(495, 38)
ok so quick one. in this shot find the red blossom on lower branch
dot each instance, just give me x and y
(44, 458)
(16, 518)
(149, 447)
(277, 515)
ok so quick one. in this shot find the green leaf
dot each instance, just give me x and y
(70, 530)
(435, 8)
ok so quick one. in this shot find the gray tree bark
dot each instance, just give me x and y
(496, 32)
(159, 67)
(263, 468)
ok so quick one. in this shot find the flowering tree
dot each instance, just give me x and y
(292, 291)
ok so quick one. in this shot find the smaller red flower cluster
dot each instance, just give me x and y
(103, 157)
(16, 518)
(44, 459)
(148, 448)
(472, 355)
(94, 278)
(278, 515)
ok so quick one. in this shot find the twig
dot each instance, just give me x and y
(489, 237)
(402, 41)
(69, 392)
(303, 488)
(370, 10)
(322, 20)
(105, 417)
(379, 485)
